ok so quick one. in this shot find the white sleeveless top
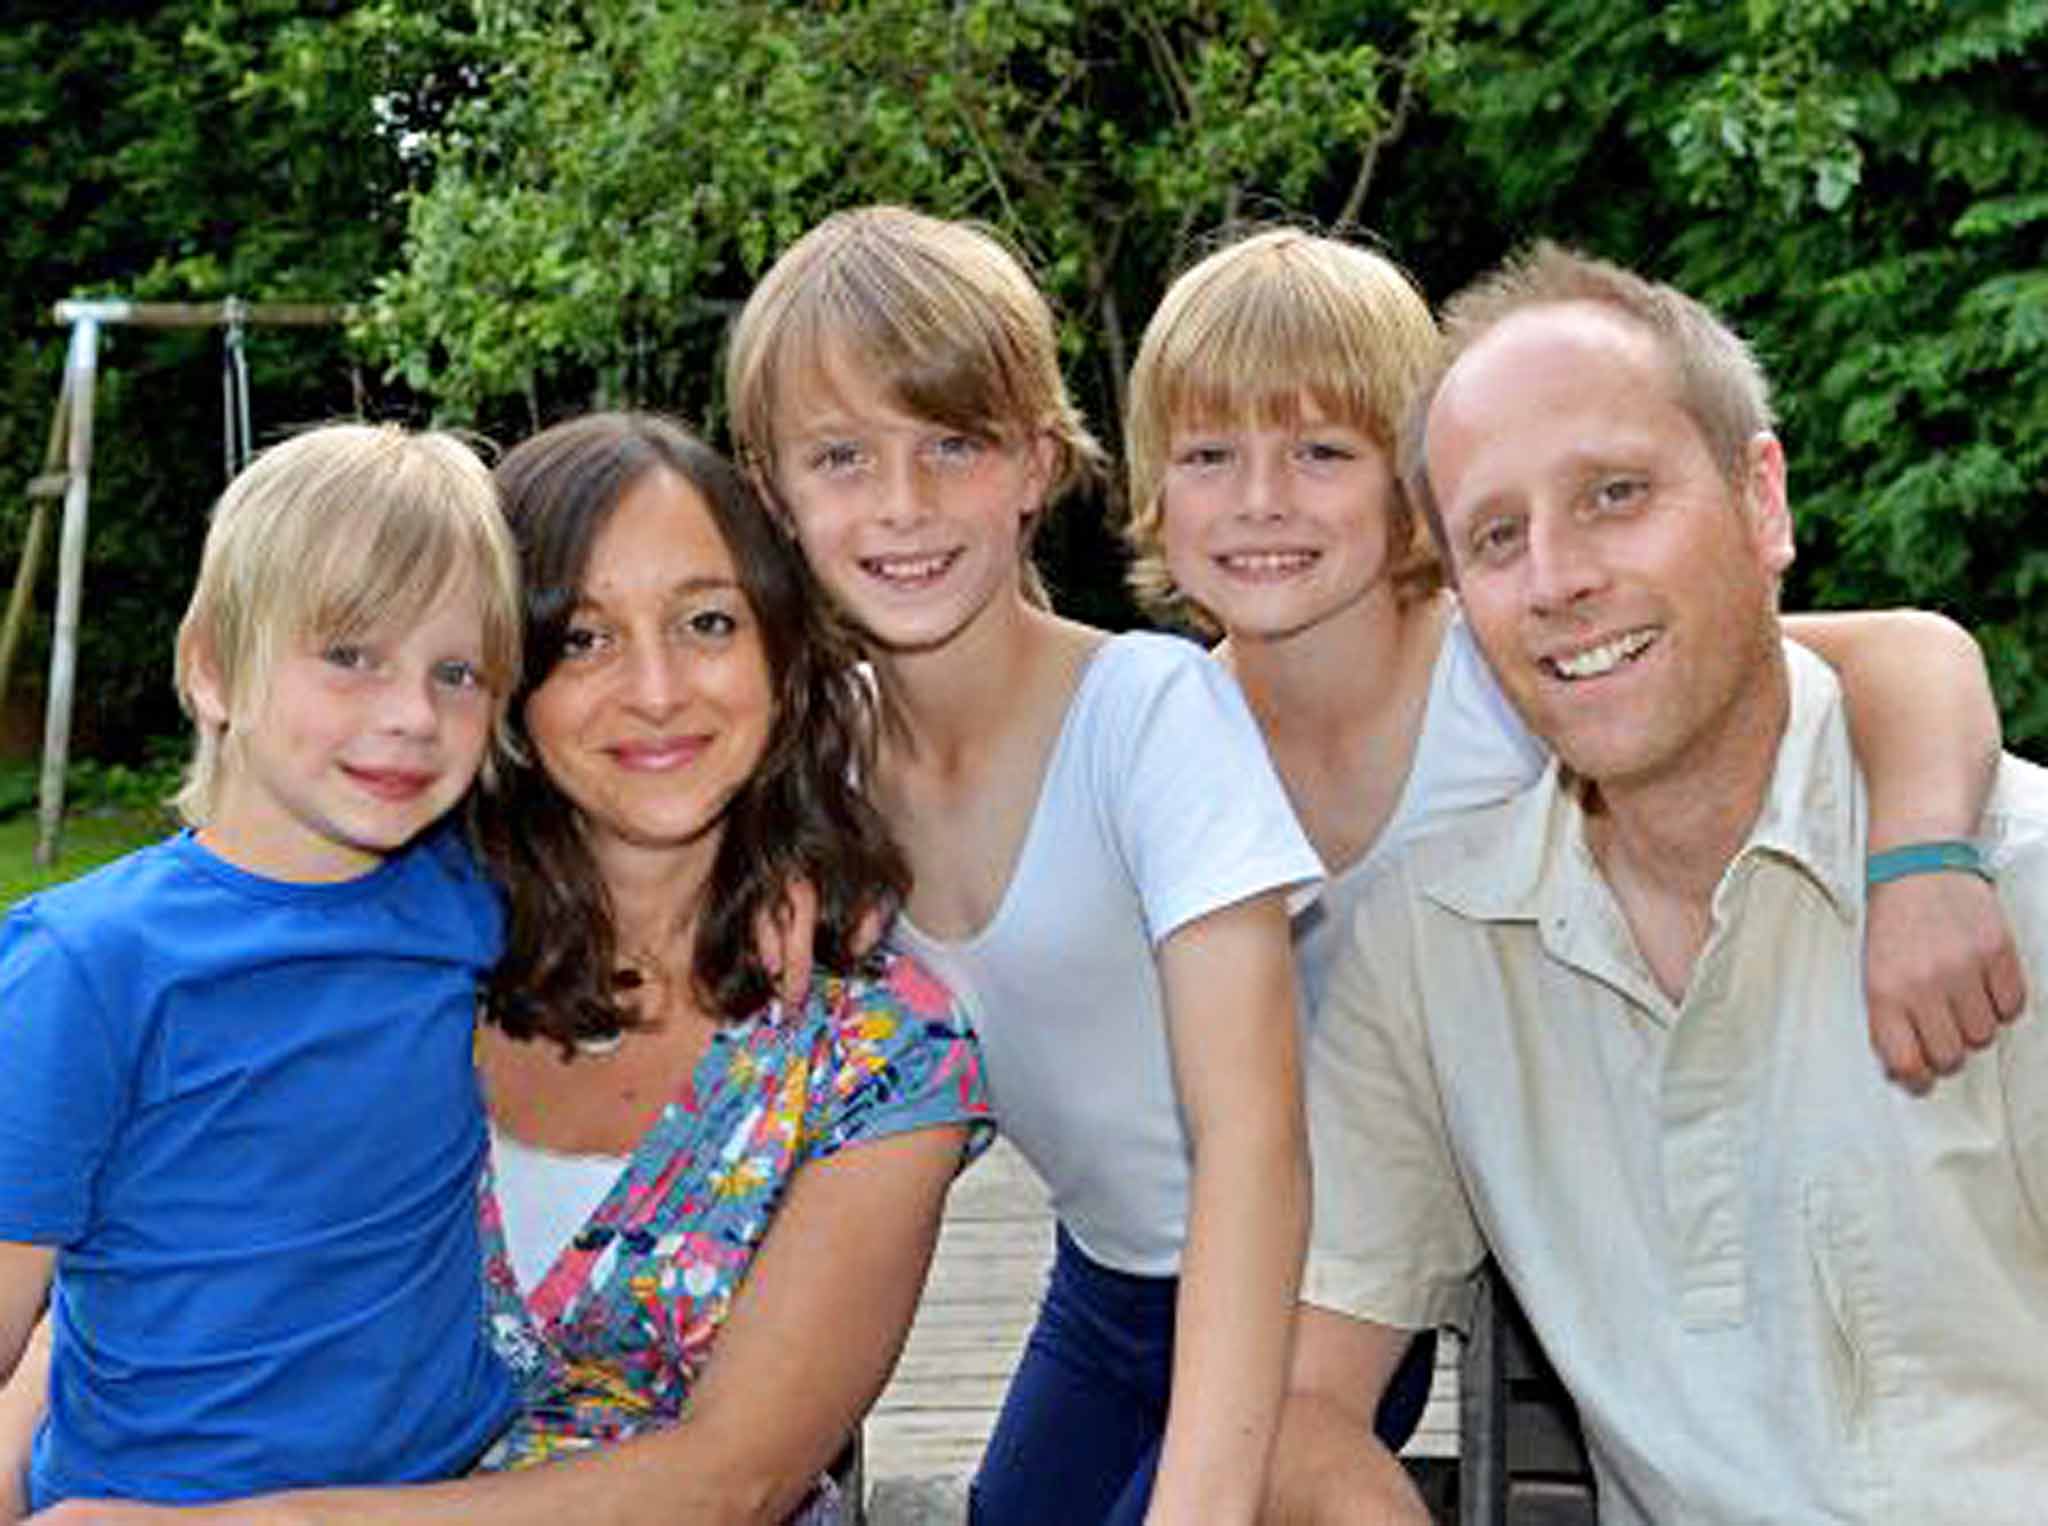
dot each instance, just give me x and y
(1473, 751)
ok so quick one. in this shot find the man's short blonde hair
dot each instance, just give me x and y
(325, 537)
(1716, 377)
(1245, 335)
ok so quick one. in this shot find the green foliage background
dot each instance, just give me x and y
(543, 206)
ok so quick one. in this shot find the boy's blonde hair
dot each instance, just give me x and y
(326, 537)
(1243, 336)
(943, 312)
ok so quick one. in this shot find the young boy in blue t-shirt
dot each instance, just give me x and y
(240, 1131)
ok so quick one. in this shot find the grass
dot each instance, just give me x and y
(112, 809)
(90, 838)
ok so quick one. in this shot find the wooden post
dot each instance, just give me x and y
(41, 489)
(81, 366)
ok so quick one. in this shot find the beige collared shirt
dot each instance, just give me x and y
(1779, 1287)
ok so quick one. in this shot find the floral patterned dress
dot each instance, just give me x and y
(612, 1339)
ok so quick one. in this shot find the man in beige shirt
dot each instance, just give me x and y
(1614, 1029)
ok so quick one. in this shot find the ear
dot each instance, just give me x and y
(204, 686)
(1770, 513)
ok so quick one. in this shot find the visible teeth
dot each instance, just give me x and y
(908, 569)
(1269, 561)
(1604, 658)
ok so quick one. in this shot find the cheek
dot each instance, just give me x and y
(1489, 608)
(1183, 515)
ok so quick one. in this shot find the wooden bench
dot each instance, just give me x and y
(1521, 1458)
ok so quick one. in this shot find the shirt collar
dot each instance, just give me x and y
(1811, 818)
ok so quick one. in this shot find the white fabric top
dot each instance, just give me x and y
(1473, 750)
(1158, 806)
(1779, 1287)
(544, 1197)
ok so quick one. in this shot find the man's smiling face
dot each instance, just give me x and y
(1623, 588)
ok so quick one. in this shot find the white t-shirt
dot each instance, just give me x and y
(1473, 750)
(1158, 806)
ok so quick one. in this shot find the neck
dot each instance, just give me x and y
(653, 894)
(1335, 676)
(1663, 840)
(952, 697)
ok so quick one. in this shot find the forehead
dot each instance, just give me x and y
(833, 387)
(1552, 388)
(661, 535)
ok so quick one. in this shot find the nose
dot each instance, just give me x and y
(905, 489)
(408, 707)
(1564, 566)
(654, 678)
(1262, 486)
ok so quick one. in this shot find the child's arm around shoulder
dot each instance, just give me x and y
(1941, 971)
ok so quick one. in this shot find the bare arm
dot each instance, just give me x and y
(809, 1343)
(1229, 987)
(1940, 966)
(21, 1407)
(24, 1288)
(1329, 1468)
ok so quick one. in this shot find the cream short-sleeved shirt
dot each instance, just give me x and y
(1779, 1287)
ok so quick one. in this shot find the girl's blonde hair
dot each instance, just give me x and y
(327, 537)
(1245, 335)
(943, 312)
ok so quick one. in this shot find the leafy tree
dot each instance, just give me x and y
(606, 204)
(1859, 184)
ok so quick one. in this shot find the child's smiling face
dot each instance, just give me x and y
(357, 745)
(915, 527)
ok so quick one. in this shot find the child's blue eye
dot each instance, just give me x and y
(1203, 456)
(459, 673)
(957, 449)
(1324, 451)
(836, 456)
(346, 655)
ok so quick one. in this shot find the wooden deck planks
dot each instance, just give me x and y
(994, 1250)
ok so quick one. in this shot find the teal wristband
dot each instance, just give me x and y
(1926, 858)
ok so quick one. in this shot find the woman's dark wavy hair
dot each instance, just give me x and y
(801, 814)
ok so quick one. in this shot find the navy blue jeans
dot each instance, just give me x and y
(1078, 1440)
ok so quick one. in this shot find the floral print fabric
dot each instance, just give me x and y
(611, 1341)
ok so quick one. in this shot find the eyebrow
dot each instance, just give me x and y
(683, 588)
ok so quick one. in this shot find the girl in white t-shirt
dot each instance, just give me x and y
(1101, 856)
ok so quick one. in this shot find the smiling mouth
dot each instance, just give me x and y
(909, 571)
(392, 783)
(1267, 564)
(1597, 661)
(655, 757)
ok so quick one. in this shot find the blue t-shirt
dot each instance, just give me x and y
(246, 1114)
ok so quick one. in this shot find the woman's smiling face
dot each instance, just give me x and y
(660, 706)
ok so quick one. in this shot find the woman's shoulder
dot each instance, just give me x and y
(897, 1048)
(892, 989)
